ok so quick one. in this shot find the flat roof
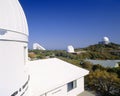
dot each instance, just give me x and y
(105, 63)
(48, 74)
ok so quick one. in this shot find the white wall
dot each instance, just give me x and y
(78, 89)
(12, 71)
(62, 91)
(58, 92)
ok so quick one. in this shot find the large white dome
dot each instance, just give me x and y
(13, 49)
(12, 20)
(106, 39)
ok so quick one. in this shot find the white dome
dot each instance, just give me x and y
(12, 20)
(13, 49)
(70, 49)
(106, 39)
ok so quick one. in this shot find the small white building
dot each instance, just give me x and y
(37, 46)
(54, 77)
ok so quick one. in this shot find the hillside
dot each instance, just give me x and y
(97, 51)
(103, 47)
(100, 51)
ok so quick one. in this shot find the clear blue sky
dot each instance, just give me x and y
(57, 23)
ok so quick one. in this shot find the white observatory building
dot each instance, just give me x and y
(13, 49)
(106, 40)
(70, 49)
(20, 77)
(37, 46)
(55, 77)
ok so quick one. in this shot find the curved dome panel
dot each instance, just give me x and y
(12, 17)
(70, 49)
(106, 39)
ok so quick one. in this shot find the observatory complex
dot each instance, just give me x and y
(20, 77)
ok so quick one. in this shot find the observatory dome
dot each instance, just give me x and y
(13, 49)
(12, 21)
(106, 39)
(37, 46)
(70, 49)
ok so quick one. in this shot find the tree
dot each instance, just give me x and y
(87, 65)
(107, 84)
(97, 67)
(32, 55)
(114, 70)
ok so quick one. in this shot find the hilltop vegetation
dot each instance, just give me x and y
(102, 51)
(103, 47)
(98, 51)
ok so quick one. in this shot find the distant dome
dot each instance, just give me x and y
(37, 46)
(106, 39)
(70, 49)
(13, 19)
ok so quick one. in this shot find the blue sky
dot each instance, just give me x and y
(55, 24)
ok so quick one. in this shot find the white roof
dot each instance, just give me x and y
(48, 74)
(12, 17)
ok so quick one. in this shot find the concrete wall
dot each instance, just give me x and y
(78, 89)
(62, 91)
(58, 92)
(12, 71)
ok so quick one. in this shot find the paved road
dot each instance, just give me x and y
(87, 93)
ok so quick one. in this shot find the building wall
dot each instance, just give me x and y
(62, 91)
(58, 92)
(14, 79)
(78, 89)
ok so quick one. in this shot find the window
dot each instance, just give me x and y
(25, 54)
(71, 85)
(3, 31)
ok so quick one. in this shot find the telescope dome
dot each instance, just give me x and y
(70, 49)
(13, 49)
(13, 23)
(106, 39)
